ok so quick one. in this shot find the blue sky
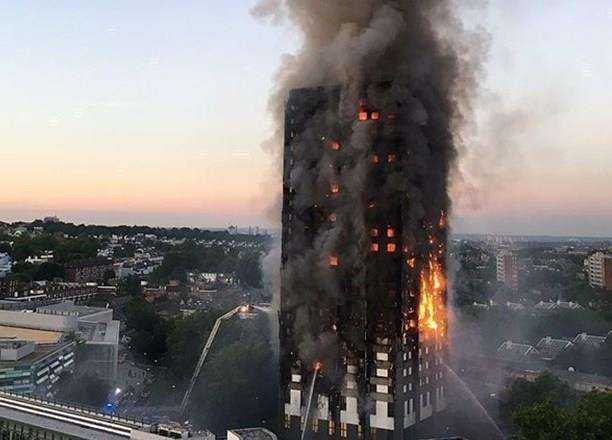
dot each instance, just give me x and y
(154, 112)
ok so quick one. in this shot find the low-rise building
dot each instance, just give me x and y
(516, 352)
(31, 362)
(99, 332)
(5, 264)
(586, 340)
(94, 326)
(251, 434)
(90, 270)
(549, 348)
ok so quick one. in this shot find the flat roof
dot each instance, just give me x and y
(69, 308)
(41, 352)
(28, 334)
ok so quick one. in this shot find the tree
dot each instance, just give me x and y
(546, 388)
(185, 341)
(543, 421)
(130, 286)
(589, 419)
(237, 386)
(249, 270)
(150, 331)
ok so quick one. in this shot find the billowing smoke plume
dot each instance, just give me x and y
(409, 60)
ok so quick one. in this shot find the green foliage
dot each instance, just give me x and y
(82, 230)
(248, 270)
(237, 386)
(76, 249)
(543, 421)
(150, 331)
(38, 272)
(589, 419)
(186, 339)
(130, 286)
(65, 250)
(191, 257)
(546, 388)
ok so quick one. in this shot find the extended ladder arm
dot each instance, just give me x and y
(205, 350)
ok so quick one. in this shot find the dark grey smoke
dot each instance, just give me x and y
(429, 66)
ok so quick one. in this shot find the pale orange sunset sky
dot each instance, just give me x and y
(153, 112)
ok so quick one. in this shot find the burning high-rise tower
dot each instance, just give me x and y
(363, 288)
(369, 109)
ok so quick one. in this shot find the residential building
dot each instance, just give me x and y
(599, 270)
(508, 269)
(513, 351)
(5, 264)
(90, 270)
(549, 348)
(362, 310)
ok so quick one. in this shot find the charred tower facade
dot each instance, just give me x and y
(363, 326)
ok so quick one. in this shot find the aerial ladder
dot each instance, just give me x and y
(244, 309)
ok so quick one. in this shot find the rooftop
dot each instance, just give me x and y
(28, 334)
(69, 308)
(41, 353)
(252, 434)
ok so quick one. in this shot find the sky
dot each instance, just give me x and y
(153, 112)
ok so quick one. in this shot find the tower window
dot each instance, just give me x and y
(363, 116)
(390, 232)
(391, 158)
(373, 232)
(375, 158)
(391, 247)
(334, 145)
(335, 188)
(333, 260)
(374, 247)
(375, 115)
(333, 217)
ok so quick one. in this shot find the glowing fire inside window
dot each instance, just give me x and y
(375, 115)
(390, 232)
(391, 247)
(363, 116)
(373, 232)
(375, 158)
(335, 188)
(391, 158)
(333, 260)
(374, 247)
(334, 145)
(333, 217)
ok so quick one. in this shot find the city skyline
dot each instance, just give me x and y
(154, 114)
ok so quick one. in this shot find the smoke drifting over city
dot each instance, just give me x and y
(407, 60)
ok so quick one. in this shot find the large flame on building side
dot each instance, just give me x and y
(432, 291)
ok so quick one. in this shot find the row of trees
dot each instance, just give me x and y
(238, 383)
(193, 257)
(64, 250)
(82, 230)
(548, 409)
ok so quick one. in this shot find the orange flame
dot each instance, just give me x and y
(431, 306)
(317, 366)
